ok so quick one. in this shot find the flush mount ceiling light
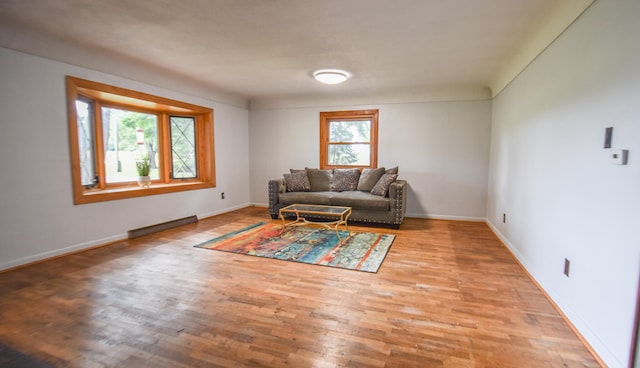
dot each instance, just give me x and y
(331, 76)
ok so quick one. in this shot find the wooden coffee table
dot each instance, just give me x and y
(341, 215)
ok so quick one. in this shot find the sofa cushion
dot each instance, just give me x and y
(382, 186)
(297, 182)
(345, 179)
(369, 178)
(320, 180)
(360, 200)
(322, 198)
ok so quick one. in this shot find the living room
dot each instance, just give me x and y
(529, 161)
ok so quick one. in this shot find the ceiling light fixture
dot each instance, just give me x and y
(330, 76)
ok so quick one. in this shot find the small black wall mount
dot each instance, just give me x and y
(608, 133)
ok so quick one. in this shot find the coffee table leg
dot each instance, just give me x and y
(291, 223)
(346, 222)
(343, 221)
(285, 224)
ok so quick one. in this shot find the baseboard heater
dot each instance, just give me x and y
(135, 233)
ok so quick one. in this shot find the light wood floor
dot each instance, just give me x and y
(449, 294)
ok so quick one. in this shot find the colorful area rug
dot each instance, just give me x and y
(361, 251)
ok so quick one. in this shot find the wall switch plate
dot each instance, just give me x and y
(619, 156)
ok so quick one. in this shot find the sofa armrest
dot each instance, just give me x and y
(398, 198)
(276, 186)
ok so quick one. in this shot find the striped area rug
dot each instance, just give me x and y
(362, 251)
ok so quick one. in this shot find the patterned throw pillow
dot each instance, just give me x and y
(345, 180)
(382, 186)
(297, 182)
(393, 170)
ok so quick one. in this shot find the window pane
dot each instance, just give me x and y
(183, 147)
(84, 113)
(350, 131)
(128, 136)
(349, 154)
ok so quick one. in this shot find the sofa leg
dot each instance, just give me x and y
(275, 217)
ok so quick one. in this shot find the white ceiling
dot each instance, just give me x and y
(265, 51)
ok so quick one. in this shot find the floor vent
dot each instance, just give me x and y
(135, 233)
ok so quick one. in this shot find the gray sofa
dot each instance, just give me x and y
(376, 196)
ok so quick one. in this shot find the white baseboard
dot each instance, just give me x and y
(59, 252)
(584, 331)
(418, 215)
(222, 211)
(446, 217)
(91, 244)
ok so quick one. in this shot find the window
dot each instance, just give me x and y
(349, 139)
(183, 147)
(128, 136)
(112, 128)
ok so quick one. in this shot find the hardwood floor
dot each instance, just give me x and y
(448, 294)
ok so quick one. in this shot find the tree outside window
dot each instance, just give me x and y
(348, 139)
(128, 137)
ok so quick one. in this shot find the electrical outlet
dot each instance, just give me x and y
(222, 195)
(567, 264)
(504, 218)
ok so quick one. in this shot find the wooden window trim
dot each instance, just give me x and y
(327, 117)
(137, 101)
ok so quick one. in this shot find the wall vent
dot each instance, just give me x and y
(135, 233)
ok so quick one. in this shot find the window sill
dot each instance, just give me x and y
(133, 191)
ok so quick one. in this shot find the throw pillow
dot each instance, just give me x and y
(297, 182)
(320, 180)
(369, 178)
(393, 170)
(382, 186)
(345, 180)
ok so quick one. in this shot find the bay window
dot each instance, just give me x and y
(111, 128)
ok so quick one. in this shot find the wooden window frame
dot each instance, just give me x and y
(327, 117)
(103, 94)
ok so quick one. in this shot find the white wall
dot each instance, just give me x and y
(552, 177)
(37, 216)
(441, 148)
